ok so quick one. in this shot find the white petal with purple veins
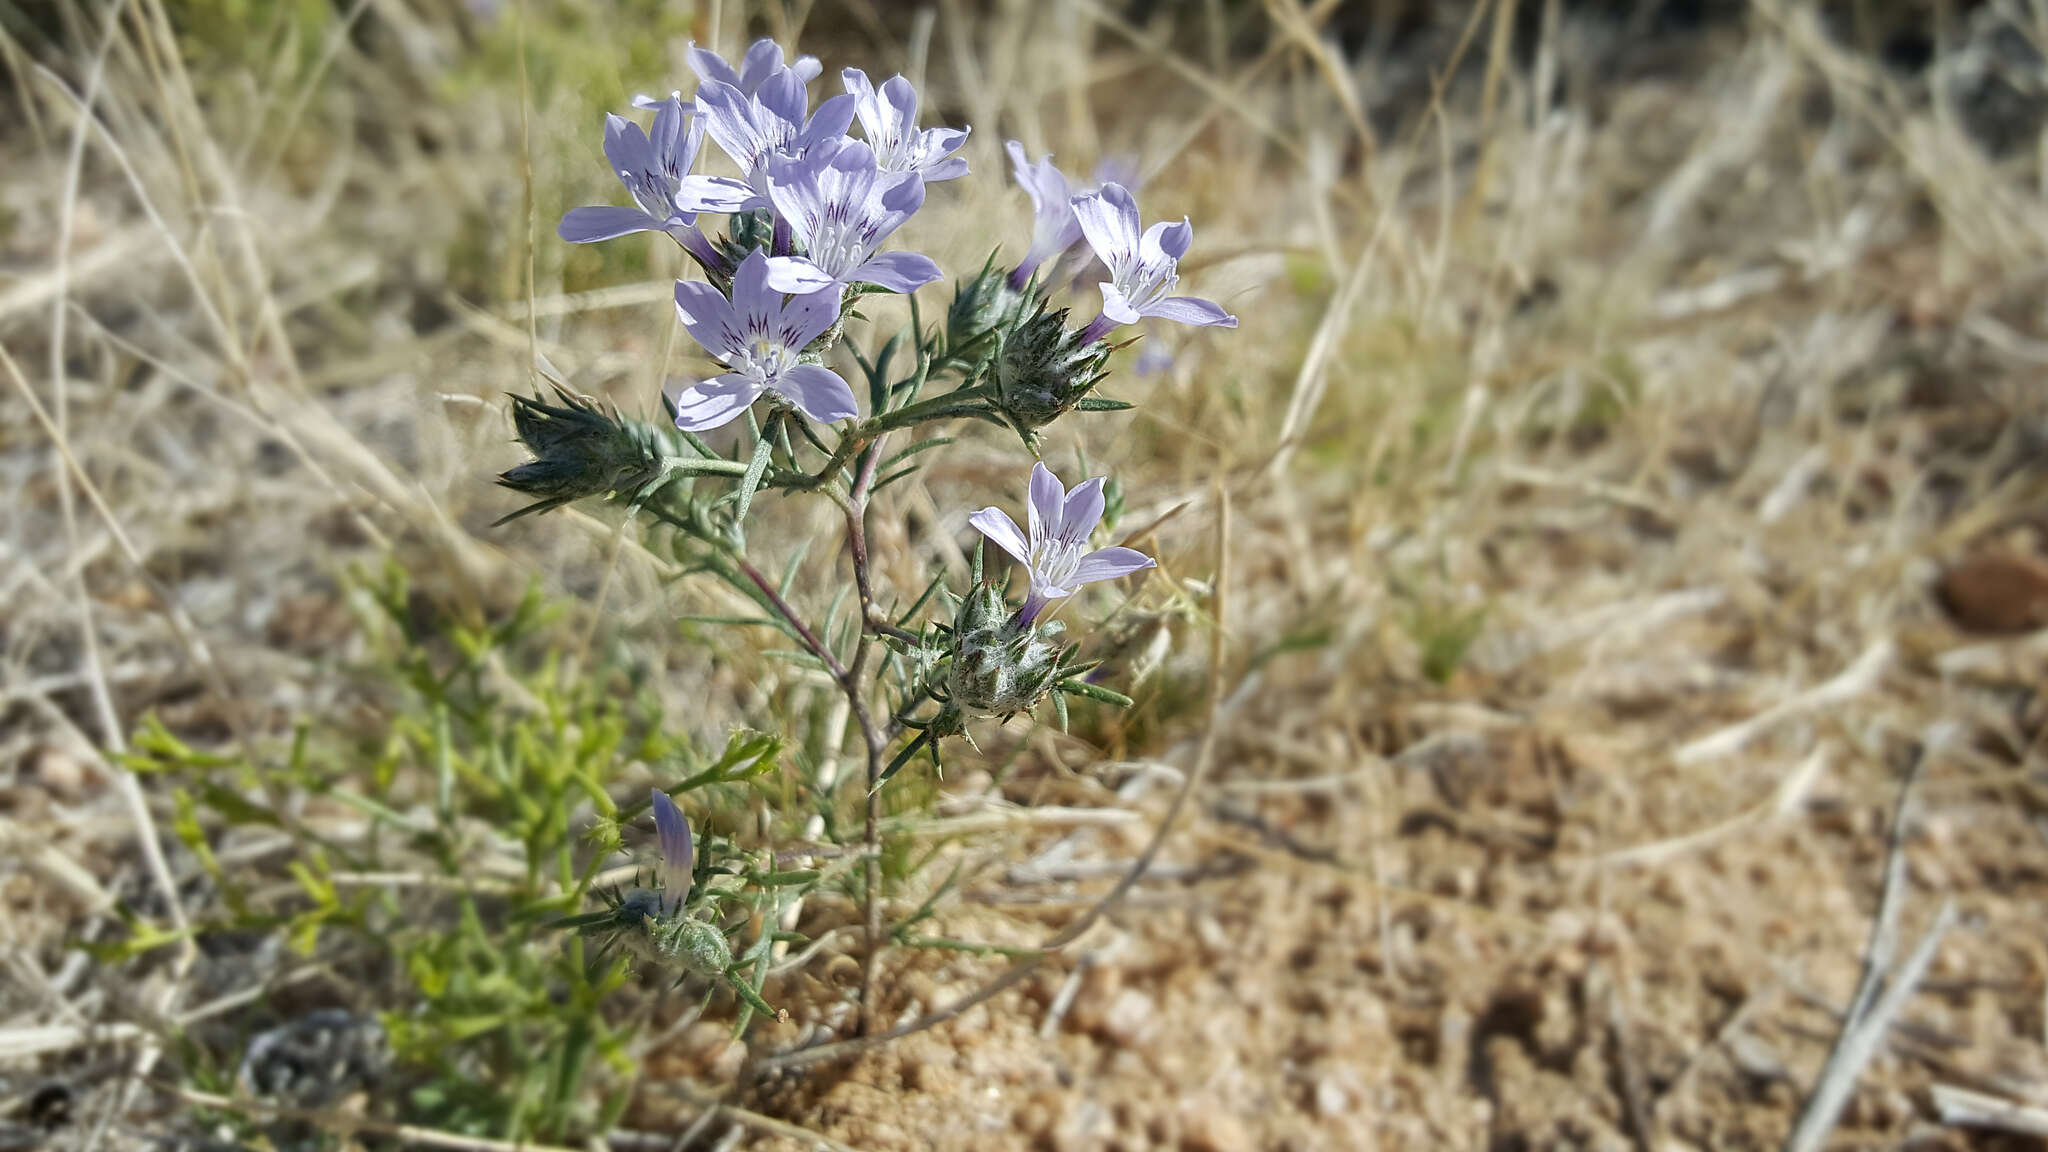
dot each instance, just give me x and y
(1002, 531)
(1110, 563)
(1047, 508)
(1190, 310)
(819, 393)
(714, 403)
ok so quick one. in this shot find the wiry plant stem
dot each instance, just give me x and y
(853, 679)
(876, 739)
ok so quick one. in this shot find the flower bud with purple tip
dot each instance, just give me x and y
(999, 665)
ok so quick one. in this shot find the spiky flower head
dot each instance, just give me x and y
(983, 306)
(998, 666)
(1042, 370)
(580, 449)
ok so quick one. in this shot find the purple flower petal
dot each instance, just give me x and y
(1189, 310)
(603, 222)
(806, 316)
(1081, 512)
(714, 403)
(901, 195)
(711, 68)
(1047, 509)
(783, 97)
(706, 314)
(712, 194)
(1108, 564)
(763, 59)
(672, 834)
(1115, 306)
(829, 122)
(996, 524)
(797, 276)
(626, 146)
(1166, 240)
(674, 148)
(819, 393)
(897, 271)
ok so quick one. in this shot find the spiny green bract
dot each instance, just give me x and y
(581, 450)
(694, 944)
(996, 668)
(1042, 370)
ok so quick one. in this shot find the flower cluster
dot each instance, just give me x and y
(818, 192)
(818, 205)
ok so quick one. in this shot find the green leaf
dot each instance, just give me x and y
(1102, 404)
(763, 449)
(1094, 692)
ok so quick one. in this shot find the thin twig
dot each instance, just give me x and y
(755, 1120)
(343, 1123)
(874, 738)
(804, 635)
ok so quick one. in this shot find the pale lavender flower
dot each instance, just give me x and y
(773, 121)
(655, 168)
(672, 835)
(889, 118)
(1142, 268)
(761, 338)
(763, 60)
(841, 207)
(1054, 228)
(1054, 552)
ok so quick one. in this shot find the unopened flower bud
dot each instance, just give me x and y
(578, 450)
(982, 308)
(1042, 371)
(694, 944)
(999, 666)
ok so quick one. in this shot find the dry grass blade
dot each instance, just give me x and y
(1964, 1108)
(1882, 992)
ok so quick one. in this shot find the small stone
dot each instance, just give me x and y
(1211, 1128)
(1997, 590)
(1129, 1017)
(1331, 1100)
(61, 774)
